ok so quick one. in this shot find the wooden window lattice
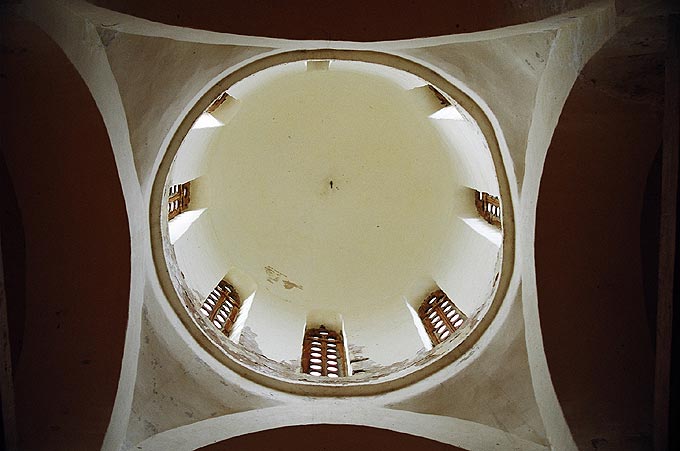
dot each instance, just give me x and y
(178, 199)
(222, 306)
(323, 353)
(488, 207)
(440, 316)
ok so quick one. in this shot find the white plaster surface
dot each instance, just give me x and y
(191, 247)
(468, 276)
(279, 340)
(333, 183)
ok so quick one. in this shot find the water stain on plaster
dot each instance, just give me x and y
(288, 285)
(274, 276)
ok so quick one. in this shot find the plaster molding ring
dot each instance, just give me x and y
(231, 355)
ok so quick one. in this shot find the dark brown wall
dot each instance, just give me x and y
(329, 437)
(597, 334)
(77, 247)
(351, 20)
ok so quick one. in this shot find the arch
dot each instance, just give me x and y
(453, 431)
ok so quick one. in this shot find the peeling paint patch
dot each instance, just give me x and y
(293, 365)
(248, 340)
(361, 364)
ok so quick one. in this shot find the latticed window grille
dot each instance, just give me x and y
(178, 199)
(488, 207)
(222, 306)
(323, 353)
(440, 316)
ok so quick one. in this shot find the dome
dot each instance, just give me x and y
(345, 194)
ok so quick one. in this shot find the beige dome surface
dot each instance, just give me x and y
(331, 187)
(339, 193)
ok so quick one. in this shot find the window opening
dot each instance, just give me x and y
(440, 97)
(323, 353)
(488, 207)
(217, 102)
(222, 306)
(440, 316)
(178, 199)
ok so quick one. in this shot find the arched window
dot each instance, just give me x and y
(488, 207)
(440, 316)
(222, 306)
(323, 353)
(178, 199)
